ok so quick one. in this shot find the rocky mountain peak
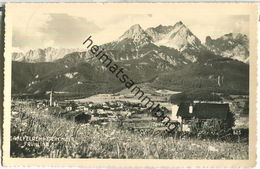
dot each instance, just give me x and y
(137, 35)
(163, 29)
(234, 36)
(178, 37)
(159, 32)
(136, 27)
(232, 45)
(180, 23)
(208, 39)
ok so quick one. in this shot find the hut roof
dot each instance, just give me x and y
(210, 110)
(73, 114)
(183, 111)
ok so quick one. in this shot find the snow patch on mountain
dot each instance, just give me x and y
(71, 75)
(177, 36)
(32, 83)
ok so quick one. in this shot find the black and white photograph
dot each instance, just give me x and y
(130, 81)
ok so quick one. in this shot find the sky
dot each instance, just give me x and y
(41, 26)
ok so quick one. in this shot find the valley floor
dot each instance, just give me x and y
(36, 133)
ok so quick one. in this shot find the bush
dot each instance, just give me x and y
(193, 95)
(212, 129)
(178, 98)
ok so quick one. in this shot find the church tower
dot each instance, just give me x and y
(51, 98)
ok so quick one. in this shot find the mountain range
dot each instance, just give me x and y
(42, 55)
(164, 57)
(232, 45)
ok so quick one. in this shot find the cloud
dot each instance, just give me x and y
(27, 39)
(240, 24)
(117, 19)
(66, 30)
(57, 30)
(217, 25)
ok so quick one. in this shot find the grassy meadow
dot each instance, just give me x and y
(94, 141)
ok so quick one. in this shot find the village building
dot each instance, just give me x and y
(185, 113)
(78, 117)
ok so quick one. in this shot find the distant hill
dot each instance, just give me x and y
(37, 78)
(204, 76)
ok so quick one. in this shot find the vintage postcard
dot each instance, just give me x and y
(130, 84)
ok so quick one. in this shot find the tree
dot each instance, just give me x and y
(178, 98)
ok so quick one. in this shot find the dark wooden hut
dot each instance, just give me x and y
(201, 112)
(218, 112)
(79, 117)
